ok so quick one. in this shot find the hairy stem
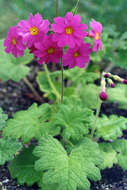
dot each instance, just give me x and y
(62, 83)
(96, 117)
(54, 90)
(28, 83)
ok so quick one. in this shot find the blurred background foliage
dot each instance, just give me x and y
(111, 13)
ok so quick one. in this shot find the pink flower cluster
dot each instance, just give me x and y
(48, 45)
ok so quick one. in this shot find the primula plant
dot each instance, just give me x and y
(62, 144)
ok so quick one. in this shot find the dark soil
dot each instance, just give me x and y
(112, 179)
(17, 96)
(6, 183)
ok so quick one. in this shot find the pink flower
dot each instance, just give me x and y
(96, 34)
(13, 42)
(48, 51)
(68, 30)
(77, 56)
(32, 49)
(34, 29)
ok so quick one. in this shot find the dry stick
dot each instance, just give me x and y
(32, 89)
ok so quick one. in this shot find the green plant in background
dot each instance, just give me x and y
(66, 152)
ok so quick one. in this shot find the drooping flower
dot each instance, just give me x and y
(48, 51)
(69, 31)
(107, 75)
(111, 83)
(124, 81)
(14, 43)
(34, 29)
(96, 34)
(103, 96)
(77, 56)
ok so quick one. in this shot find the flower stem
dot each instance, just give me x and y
(54, 90)
(96, 117)
(62, 83)
(57, 12)
(74, 10)
(28, 83)
(57, 7)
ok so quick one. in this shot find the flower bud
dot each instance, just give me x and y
(106, 75)
(112, 85)
(124, 81)
(103, 96)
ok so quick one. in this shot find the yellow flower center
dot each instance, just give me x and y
(76, 54)
(14, 41)
(50, 50)
(34, 31)
(97, 35)
(69, 30)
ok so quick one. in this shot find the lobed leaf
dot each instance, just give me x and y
(11, 67)
(68, 171)
(75, 121)
(8, 149)
(119, 95)
(109, 128)
(31, 123)
(77, 75)
(45, 86)
(120, 146)
(89, 95)
(109, 155)
(22, 167)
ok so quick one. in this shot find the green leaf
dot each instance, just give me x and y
(68, 171)
(3, 119)
(22, 167)
(31, 123)
(77, 75)
(49, 186)
(89, 95)
(10, 67)
(120, 146)
(8, 149)
(44, 85)
(27, 58)
(120, 59)
(74, 120)
(109, 155)
(109, 128)
(119, 95)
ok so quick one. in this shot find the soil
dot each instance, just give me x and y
(17, 96)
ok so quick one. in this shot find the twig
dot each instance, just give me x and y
(28, 83)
